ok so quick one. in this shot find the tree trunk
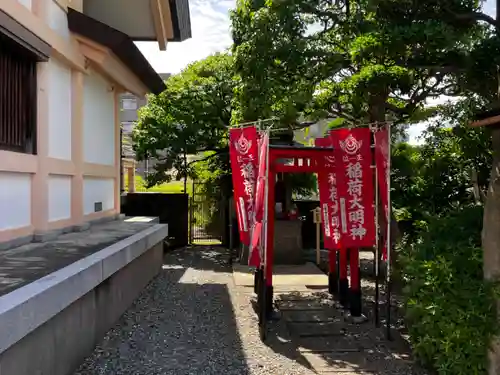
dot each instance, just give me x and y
(491, 238)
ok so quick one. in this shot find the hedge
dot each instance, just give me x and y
(450, 309)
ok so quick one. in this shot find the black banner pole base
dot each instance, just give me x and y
(269, 294)
(333, 284)
(344, 292)
(355, 305)
(256, 280)
(262, 310)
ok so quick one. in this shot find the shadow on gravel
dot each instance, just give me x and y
(208, 258)
(313, 331)
(319, 337)
(182, 323)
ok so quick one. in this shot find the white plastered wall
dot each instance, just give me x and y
(97, 190)
(59, 77)
(59, 197)
(15, 200)
(57, 18)
(98, 120)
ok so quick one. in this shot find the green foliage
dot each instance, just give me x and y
(437, 176)
(189, 117)
(450, 308)
(351, 59)
(212, 188)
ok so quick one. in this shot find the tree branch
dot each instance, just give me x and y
(477, 16)
(217, 153)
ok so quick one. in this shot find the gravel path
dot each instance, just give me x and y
(192, 319)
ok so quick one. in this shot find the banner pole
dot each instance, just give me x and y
(388, 239)
(377, 242)
(264, 297)
(230, 213)
(318, 240)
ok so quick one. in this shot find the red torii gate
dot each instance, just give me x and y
(281, 159)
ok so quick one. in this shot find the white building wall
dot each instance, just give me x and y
(59, 197)
(57, 18)
(59, 94)
(15, 200)
(26, 3)
(98, 121)
(98, 190)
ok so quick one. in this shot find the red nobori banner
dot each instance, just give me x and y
(328, 196)
(382, 163)
(256, 257)
(243, 156)
(355, 187)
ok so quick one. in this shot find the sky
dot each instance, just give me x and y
(210, 25)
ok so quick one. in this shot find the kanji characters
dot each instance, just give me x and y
(354, 171)
(354, 187)
(355, 203)
(248, 171)
(333, 193)
(357, 216)
(358, 232)
(354, 216)
(325, 219)
(332, 179)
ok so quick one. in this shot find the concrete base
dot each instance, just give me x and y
(295, 277)
(288, 242)
(50, 326)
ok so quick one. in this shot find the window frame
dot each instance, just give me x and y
(129, 100)
(18, 98)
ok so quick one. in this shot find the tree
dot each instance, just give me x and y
(357, 61)
(363, 59)
(191, 116)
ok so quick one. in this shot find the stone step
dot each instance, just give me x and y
(311, 316)
(376, 360)
(329, 344)
(318, 329)
(304, 305)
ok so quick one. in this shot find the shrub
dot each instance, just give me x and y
(450, 309)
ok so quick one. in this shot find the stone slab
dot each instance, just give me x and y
(302, 305)
(302, 275)
(314, 316)
(318, 329)
(25, 309)
(364, 361)
(330, 343)
(23, 264)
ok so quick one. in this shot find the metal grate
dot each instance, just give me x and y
(206, 216)
(18, 100)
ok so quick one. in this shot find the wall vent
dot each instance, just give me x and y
(97, 206)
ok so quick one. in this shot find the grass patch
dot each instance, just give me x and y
(173, 187)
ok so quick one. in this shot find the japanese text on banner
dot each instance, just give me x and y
(355, 188)
(257, 232)
(243, 156)
(328, 192)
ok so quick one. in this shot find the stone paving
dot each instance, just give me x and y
(24, 264)
(326, 340)
(322, 333)
(199, 317)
